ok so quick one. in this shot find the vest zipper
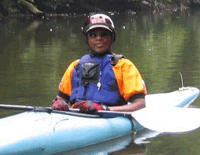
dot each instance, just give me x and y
(99, 82)
(100, 75)
(85, 89)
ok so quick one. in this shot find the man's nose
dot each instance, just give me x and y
(99, 36)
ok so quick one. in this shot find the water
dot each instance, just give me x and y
(35, 54)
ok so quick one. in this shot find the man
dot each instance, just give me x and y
(101, 80)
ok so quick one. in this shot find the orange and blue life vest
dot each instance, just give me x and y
(100, 80)
(93, 79)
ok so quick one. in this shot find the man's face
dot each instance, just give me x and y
(99, 40)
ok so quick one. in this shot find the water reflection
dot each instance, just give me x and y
(34, 55)
(131, 144)
(117, 146)
(143, 136)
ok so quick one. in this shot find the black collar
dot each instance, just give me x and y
(95, 54)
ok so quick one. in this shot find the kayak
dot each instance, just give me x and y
(41, 133)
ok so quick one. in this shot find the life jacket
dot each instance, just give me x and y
(93, 79)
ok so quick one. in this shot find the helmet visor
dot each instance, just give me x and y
(98, 26)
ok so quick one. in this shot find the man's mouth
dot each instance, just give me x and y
(99, 45)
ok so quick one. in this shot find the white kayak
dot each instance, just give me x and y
(42, 133)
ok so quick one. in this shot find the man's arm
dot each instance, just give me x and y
(136, 104)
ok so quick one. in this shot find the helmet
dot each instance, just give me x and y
(99, 21)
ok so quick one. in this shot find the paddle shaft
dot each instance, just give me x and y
(162, 120)
(16, 107)
(74, 112)
(27, 108)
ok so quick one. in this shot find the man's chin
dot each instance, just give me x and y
(99, 51)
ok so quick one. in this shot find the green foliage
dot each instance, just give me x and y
(86, 6)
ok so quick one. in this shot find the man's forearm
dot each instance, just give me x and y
(135, 105)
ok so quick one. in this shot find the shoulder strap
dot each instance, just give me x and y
(115, 58)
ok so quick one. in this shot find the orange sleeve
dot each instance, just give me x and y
(129, 79)
(65, 85)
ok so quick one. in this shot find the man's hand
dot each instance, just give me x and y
(89, 106)
(59, 104)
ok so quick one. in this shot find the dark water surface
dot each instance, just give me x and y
(34, 55)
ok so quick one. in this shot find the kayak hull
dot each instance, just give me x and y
(42, 132)
(36, 133)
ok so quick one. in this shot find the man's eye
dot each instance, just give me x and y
(104, 34)
(101, 33)
(93, 35)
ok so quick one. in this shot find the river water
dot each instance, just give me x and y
(34, 55)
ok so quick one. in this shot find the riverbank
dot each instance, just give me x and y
(71, 8)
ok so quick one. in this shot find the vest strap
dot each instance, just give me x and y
(115, 58)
